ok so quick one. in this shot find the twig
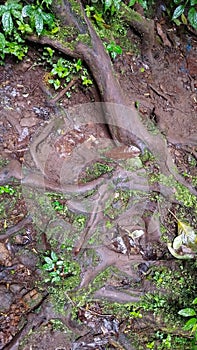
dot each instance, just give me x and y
(160, 94)
(62, 92)
(116, 344)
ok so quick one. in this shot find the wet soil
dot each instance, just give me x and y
(165, 94)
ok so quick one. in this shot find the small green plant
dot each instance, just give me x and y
(143, 3)
(85, 80)
(62, 276)
(80, 221)
(191, 324)
(17, 20)
(63, 71)
(185, 11)
(38, 18)
(96, 15)
(110, 6)
(113, 49)
(7, 189)
(59, 206)
(96, 170)
(58, 268)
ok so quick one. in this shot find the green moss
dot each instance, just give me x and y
(58, 325)
(146, 156)
(102, 278)
(3, 162)
(186, 197)
(125, 311)
(114, 34)
(75, 6)
(84, 38)
(132, 164)
(118, 202)
(79, 221)
(180, 290)
(175, 288)
(91, 259)
(162, 340)
(129, 14)
(9, 197)
(182, 193)
(96, 170)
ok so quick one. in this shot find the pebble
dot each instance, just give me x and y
(24, 134)
(6, 298)
(5, 258)
(15, 288)
(27, 258)
(29, 122)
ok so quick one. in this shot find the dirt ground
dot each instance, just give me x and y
(165, 94)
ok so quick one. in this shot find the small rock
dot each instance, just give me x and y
(42, 113)
(29, 122)
(24, 134)
(15, 288)
(32, 299)
(5, 258)
(27, 258)
(6, 298)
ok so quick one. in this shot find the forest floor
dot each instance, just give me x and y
(113, 274)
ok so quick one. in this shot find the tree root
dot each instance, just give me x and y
(14, 229)
(144, 27)
(123, 120)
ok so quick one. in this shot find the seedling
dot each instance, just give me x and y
(17, 20)
(57, 268)
(63, 71)
(113, 49)
(7, 189)
(191, 324)
(80, 221)
(188, 7)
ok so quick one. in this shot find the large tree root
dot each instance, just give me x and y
(122, 118)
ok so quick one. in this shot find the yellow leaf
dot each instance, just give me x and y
(183, 18)
(189, 237)
(182, 227)
(5, 224)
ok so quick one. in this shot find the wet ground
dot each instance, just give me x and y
(87, 220)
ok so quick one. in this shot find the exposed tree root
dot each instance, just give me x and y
(144, 27)
(14, 229)
(122, 118)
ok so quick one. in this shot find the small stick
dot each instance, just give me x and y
(62, 92)
(158, 92)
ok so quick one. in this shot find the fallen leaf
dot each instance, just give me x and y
(177, 255)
